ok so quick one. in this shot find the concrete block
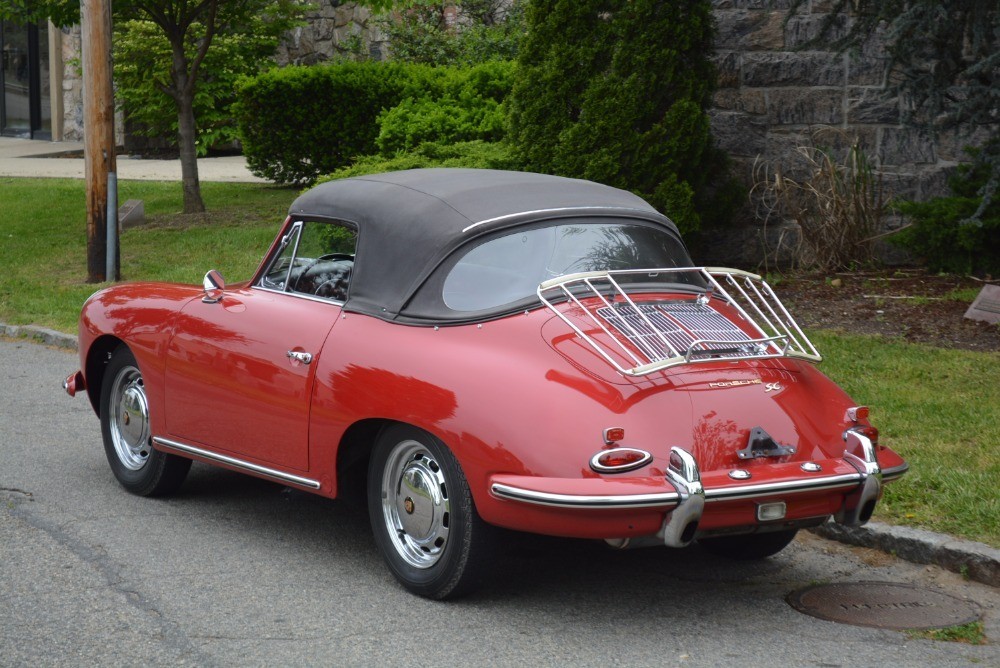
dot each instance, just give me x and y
(132, 213)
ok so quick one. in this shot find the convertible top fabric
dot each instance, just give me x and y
(409, 221)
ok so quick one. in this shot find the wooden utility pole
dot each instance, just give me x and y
(99, 134)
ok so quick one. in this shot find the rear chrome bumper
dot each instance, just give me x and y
(682, 494)
(860, 504)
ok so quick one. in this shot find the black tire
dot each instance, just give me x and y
(749, 547)
(128, 442)
(429, 532)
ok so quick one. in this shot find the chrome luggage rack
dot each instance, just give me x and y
(656, 335)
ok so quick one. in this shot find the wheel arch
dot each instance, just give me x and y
(355, 450)
(98, 356)
(353, 454)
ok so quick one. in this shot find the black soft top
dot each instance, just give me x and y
(408, 222)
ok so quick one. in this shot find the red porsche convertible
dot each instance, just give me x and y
(482, 349)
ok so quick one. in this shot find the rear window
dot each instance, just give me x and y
(508, 269)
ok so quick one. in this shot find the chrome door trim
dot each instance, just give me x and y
(280, 476)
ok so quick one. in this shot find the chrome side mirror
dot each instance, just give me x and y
(214, 286)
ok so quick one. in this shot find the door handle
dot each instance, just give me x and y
(300, 356)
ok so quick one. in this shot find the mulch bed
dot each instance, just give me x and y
(911, 305)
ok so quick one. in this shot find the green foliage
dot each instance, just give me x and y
(483, 30)
(942, 233)
(299, 122)
(329, 115)
(918, 394)
(472, 155)
(452, 105)
(970, 634)
(60, 12)
(142, 60)
(616, 91)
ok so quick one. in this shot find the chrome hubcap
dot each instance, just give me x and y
(415, 504)
(130, 419)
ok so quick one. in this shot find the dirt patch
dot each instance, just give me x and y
(910, 305)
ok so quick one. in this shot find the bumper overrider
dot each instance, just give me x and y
(849, 486)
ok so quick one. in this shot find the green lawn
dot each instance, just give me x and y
(939, 408)
(44, 241)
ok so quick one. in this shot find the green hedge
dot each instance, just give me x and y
(471, 154)
(297, 123)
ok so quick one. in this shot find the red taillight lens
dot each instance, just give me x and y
(856, 413)
(619, 460)
(613, 435)
(870, 432)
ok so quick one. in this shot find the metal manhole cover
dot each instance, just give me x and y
(884, 605)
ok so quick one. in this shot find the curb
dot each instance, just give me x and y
(975, 561)
(49, 337)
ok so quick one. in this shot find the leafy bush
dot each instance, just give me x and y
(456, 105)
(942, 233)
(473, 155)
(299, 122)
(616, 91)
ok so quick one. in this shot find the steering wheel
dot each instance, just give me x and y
(321, 258)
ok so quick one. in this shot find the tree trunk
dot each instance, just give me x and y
(189, 157)
(186, 131)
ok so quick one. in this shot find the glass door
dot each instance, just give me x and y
(25, 107)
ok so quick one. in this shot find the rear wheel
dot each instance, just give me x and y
(128, 442)
(749, 547)
(423, 517)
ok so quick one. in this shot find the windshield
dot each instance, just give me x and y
(508, 269)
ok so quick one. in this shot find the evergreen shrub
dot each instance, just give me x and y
(615, 91)
(942, 232)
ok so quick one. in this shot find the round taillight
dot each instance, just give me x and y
(618, 460)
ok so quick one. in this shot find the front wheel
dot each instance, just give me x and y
(423, 517)
(128, 442)
(750, 547)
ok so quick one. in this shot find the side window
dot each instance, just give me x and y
(315, 258)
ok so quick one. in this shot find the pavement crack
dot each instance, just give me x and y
(97, 558)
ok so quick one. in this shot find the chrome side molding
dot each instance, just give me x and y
(274, 474)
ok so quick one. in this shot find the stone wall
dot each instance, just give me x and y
(775, 96)
(72, 86)
(334, 29)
